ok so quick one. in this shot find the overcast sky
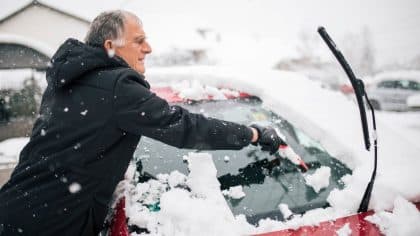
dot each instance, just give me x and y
(394, 24)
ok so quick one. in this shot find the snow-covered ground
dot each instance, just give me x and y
(327, 116)
(406, 124)
(10, 149)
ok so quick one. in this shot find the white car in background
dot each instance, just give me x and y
(391, 89)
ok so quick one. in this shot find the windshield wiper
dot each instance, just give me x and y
(359, 90)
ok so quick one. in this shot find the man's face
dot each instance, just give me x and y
(136, 47)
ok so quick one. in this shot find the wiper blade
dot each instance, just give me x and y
(359, 90)
(357, 84)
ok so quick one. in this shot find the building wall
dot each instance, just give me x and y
(44, 26)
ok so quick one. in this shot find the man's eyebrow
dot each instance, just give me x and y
(140, 37)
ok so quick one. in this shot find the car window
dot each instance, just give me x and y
(387, 84)
(409, 84)
(267, 180)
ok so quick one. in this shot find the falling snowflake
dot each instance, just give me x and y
(63, 179)
(77, 146)
(74, 187)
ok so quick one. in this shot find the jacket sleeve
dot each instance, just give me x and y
(141, 112)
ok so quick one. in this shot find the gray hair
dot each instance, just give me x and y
(108, 25)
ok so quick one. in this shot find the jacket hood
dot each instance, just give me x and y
(74, 59)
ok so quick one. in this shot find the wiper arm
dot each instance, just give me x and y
(359, 90)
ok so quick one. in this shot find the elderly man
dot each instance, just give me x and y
(89, 126)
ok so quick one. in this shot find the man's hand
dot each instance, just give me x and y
(267, 139)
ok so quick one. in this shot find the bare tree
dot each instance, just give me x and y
(359, 51)
(307, 46)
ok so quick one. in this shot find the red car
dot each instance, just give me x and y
(255, 171)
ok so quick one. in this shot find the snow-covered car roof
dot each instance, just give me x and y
(397, 74)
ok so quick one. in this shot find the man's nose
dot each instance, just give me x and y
(146, 48)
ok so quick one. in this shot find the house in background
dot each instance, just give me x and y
(30, 35)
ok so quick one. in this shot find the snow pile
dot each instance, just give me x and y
(285, 211)
(403, 221)
(312, 217)
(235, 192)
(180, 211)
(320, 179)
(344, 231)
(176, 178)
(10, 149)
(195, 90)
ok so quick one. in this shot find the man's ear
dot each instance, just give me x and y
(109, 47)
(108, 44)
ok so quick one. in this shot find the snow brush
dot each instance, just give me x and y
(285, 151)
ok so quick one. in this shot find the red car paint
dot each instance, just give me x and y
(119, 220)
(346, 89)
(358, 224)
(167, 93)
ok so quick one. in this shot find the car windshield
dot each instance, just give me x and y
(267, 180)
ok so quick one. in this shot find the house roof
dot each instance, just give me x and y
(39, 3)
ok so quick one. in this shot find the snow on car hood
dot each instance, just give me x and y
(327, 116)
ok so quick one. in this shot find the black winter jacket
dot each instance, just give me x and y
(93, 113)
